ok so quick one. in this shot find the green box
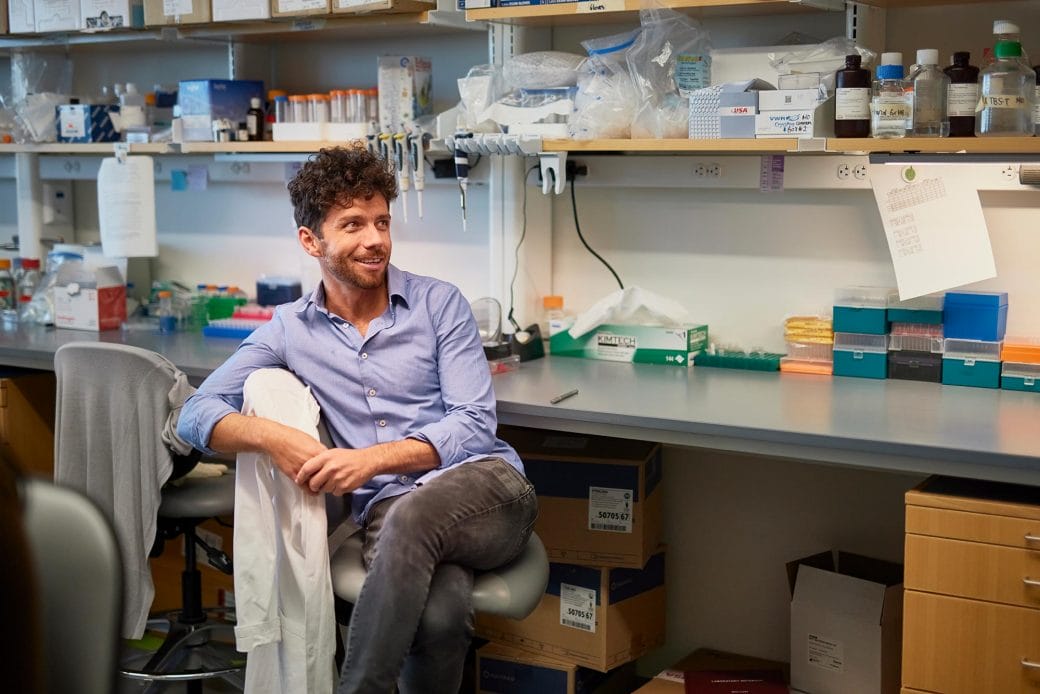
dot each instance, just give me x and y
(638, 344)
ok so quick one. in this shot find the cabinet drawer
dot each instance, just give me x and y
(957, 646)
(976, 527)
(973, 570)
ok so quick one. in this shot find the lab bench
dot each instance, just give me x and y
(886, 425)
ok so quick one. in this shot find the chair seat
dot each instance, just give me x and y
(510, 591)
(199, 497)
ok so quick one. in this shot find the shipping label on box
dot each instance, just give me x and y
(640, 344)
(21, 16)
(804, 123)
(627, 615)
(599, 498)
(299, 8)
(56, 15)
(83, 307)
(86, 123)
(405, 90)
(111, 14)
(790, 100)
(846, 624)
(240, 10)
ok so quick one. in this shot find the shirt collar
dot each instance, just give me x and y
(397, 283)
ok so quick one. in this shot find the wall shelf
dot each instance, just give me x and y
(85, 148)
(953, 146)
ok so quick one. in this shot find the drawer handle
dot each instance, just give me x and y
(1031, 581)
(1027, 663)
(1030, 537)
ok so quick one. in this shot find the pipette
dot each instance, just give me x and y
(415, 151)
(386, 149)
(462, 170)
(404, 168)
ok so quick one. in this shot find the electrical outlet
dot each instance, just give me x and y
(1009, 173)
(861, 172)
(844, 172)
(707, 169)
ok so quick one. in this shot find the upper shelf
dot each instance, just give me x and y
(591, 10)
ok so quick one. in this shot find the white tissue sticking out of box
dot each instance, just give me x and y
(631, 306)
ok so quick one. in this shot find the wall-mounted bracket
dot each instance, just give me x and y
(554, 168)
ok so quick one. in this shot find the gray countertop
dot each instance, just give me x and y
(892, 425)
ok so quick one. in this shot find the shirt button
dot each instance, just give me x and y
(382, 422)
(371, 392)
(364, 355)
(404, 479)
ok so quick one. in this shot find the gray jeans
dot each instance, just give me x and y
(413, 619)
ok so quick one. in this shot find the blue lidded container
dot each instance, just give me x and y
(975, 315)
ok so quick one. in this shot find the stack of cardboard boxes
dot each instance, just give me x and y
(600, 519)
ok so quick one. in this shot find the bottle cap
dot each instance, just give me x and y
(1005, 26)
(890, 72)
(165, 294)
(1007, 49)
(254, 102)
(552, 302)
(891, 58)
(853, 61)
(927, 56)
(961, 58)
(5, 263)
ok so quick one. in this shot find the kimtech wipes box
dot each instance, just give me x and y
(640, 344)
(846, 624)
(599, 502)
(595, 617)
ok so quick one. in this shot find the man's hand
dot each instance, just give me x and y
(337, 471)
(290, 448)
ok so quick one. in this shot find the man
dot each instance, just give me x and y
(394, 361)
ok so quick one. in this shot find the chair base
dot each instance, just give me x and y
(189, 652)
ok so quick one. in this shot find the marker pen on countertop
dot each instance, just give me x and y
(563, 396)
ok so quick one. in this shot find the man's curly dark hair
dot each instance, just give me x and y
(338, 176)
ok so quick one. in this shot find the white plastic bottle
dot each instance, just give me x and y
(552, 315)
(131, 107)
(1007, 88)
(931, 87)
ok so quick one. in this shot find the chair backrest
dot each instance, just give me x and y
(79, 570)
(112, 403)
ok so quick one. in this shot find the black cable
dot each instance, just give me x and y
(577, 226)
(516, 251)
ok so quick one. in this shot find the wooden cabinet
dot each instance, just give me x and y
(971, 619)
(27, 421)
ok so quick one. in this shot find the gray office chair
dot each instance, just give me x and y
(80, 576)
(112, 403)
(511, 591)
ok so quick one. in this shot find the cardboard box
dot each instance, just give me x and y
(707, 671)
(80, 306)
(299, 8)
(599, 499)
(598, 618)
(405, 90)
(173, 12)
(111, 14)
(846, 624)
(56, 15)
(240, 10)
(355, 6)
(4, 24)
(203, 101)
(789, 100)
(502, 669)
(802, 124)
(21, 15)
(707, 106)
(737, 114)
(86, 123)
(639, 344)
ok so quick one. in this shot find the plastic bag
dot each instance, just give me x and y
(481, 87)
(40, 309)
(823, 58)
(39, 83)
(669, 59)
(542, 70)
(606, 99)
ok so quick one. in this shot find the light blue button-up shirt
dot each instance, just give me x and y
(419, 372)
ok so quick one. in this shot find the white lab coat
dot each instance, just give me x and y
(283, 588)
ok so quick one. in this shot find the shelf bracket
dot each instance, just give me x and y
(554, 168)
(121, 150)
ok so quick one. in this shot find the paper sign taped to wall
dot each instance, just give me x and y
(936, 231)
(126, 208)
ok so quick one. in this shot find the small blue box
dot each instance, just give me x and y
(860, 364)
(274, 291)
(203, 101)
(860, 319)
(86, 123)
(975, 315)
(971, 372)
